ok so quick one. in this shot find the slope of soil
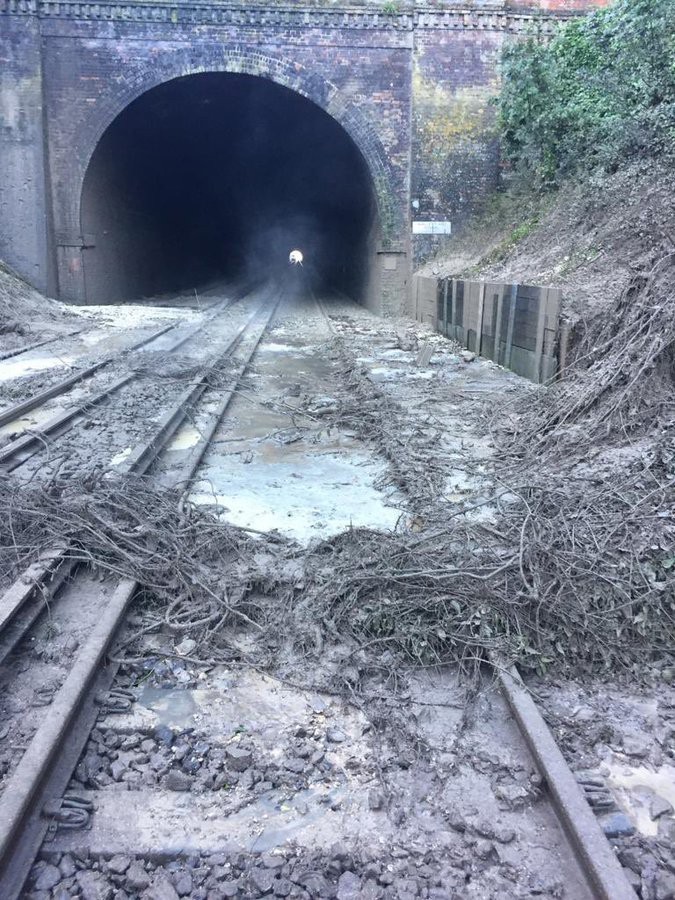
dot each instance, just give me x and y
(26, 316)
(589, 238)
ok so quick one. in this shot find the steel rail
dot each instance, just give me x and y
(41, 775)
(16, 411)
(10, 354)
(594, 854)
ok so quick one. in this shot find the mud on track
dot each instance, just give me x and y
(257, 763)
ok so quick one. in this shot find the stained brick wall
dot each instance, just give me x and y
(23, 196)
(410, 83)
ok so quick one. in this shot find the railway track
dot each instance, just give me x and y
(31, 440)
(604, 873)
(45, 767)
(34, 805)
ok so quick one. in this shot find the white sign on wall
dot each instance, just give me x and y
(431, 227)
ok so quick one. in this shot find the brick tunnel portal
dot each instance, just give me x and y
(219, 176)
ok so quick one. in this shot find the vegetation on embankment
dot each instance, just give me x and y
(587, 124)
(601, 92)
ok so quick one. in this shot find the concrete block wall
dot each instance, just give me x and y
(515, 325)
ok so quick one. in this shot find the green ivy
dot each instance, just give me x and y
(602, 89)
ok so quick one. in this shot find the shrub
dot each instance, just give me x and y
(601, 90)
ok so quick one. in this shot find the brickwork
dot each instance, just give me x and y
(409, 83)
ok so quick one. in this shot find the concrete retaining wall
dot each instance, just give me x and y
(516, 325)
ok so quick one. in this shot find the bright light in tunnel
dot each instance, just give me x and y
(295, 257)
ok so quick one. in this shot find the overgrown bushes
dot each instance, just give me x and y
(601, 90)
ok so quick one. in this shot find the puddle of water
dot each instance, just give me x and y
(30, 421)
(28, 365)
(306, 498)
(229, 704)
(185, 439)
(635, 788)
(279, 348)
(172, 706)
(121, 456)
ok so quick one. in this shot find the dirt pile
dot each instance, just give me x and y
(589, 238)
(26, 315)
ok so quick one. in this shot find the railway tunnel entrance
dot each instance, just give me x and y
(220, 176)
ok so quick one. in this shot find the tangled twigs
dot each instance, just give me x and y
(561, 580)
(621, 380)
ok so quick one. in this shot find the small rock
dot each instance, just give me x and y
(136, 877)
(61, 893)
(163, 735)
(371, 891)
(93, 886)
(273, 860)
(262, 879)
(183, 884)
(117, 770)
(660, 807)
(484, 849)
(67, 866)
(315, 884)
(349, 886)
(238, 759)
(48, 878)
(159, 762)
(192, 764)
(616, 825)
(467, 356)
(119, 864)
(494, 831)
(161, 889)
(177, 781)
(336, 736)
(186, 647)
(229, 888)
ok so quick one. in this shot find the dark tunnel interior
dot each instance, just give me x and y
(219, 176)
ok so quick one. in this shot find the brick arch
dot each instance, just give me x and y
(293, 76)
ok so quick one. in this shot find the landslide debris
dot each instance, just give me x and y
(26, 315)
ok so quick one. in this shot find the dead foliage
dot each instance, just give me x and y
(620, 383)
